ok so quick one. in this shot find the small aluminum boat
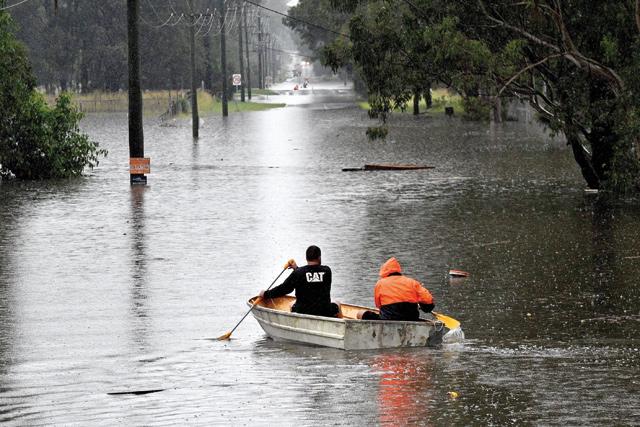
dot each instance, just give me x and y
(346, 332)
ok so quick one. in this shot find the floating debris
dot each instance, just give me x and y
(453, 394)
(613, 319)
(388, 167)
(458, 273)
(136, 392)
(501, 242)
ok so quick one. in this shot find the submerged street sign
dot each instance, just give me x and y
(139, 165)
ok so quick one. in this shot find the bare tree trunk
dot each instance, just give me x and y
(583, 158)
(497, 109)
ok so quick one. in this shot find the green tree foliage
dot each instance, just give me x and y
(322, 16)
(575, 62)
(320, 24)
(36, 141)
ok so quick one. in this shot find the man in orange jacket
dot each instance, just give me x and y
(398, 297)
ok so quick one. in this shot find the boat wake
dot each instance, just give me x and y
(453, 336)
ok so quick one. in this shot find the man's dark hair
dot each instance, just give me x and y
(313, 253)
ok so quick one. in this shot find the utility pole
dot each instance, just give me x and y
(246, 48)
(136, 136)
(260, 69)
(207, 59)
(272, 66)
(195, 125)
(241, 7)
(273, 59)
(223, 58)
(267, 42)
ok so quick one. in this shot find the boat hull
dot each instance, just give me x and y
(348, 333)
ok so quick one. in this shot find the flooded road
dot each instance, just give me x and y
(108, 289)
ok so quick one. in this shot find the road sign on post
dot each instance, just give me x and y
(139, 165)
(237, 79)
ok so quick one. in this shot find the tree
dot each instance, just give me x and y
(36, 141)
(82, 44)
(320, 23)
(583, 83)
(311, 19)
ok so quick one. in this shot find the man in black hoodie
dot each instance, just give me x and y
(312, 284)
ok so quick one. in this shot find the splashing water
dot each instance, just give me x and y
(453, 336)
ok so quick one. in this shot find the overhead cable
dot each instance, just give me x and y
(297, 19)
(13, 5)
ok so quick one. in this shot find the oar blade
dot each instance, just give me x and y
(255, 302)
(449, 322)
(224, 337)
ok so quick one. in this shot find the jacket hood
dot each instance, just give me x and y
(390, 266)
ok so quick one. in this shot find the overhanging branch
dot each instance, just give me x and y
(527, 68)
(569, 51)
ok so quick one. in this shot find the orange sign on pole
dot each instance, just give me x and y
(139, 165)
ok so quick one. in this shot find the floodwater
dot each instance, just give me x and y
(108, 289)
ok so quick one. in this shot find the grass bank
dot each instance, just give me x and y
(208, 104)
(441, 98)
(156, 102)
(256, 91)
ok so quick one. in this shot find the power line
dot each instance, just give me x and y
(298, 19)
(288, 52)
(13, 5)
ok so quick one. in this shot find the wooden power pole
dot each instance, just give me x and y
(136, 137)
(243, 77)
(223, 58)
(195, 119)
(260, 69)
(246, 48)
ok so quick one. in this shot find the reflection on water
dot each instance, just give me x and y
(406, 384)
(106, 288)
(138, 261)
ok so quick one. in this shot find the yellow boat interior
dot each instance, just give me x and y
(347, 311)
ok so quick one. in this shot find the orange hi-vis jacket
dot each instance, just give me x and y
(392, 289)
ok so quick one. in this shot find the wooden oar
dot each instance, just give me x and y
(449, 322)
(228, 334)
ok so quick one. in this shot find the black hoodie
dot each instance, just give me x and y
(312, 284)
